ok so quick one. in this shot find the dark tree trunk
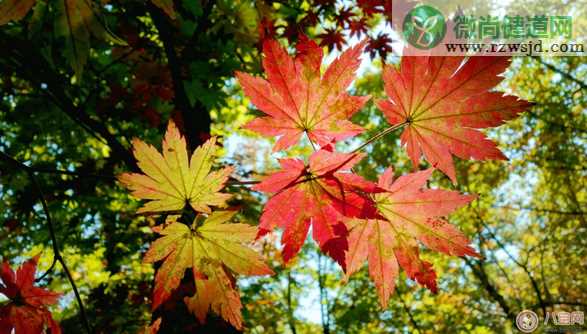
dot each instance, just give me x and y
(194, 120)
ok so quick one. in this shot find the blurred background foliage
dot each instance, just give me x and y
(71, 116)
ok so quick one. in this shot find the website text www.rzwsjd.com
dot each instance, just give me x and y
(528, 48)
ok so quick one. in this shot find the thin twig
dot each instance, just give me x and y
(565, 74)
(116, 61)
(409, 312)
(291, 321)
(241, 183)
(56, 254)
(310, 140)
(50, 270)
(229, 182)
(159, 213)
(378, 136)
(302, 178)
(558, 212)
(72, 173)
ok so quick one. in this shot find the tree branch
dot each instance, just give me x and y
(290, 313)
(558, 212)
(196, 121)
(480, 273)
(50, 270)
(71, 173)
(409, 312)
(524, 267)
(56, 253)
(39, 72)
(565, 74)
(324, 310)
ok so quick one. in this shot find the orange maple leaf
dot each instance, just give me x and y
(406, 214)
(443, 103)
(297, 99)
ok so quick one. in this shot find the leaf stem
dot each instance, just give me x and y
(352, 155)
(242, 183)
(50, 270)
(310, 140)
(56, 254)
(378, 136)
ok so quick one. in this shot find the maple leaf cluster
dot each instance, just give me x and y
(341, 23)
(151, 85)
(26, 310)
(440, 102)
(209, 246)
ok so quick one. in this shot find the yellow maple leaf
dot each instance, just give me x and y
(171, 179)
(203, 247)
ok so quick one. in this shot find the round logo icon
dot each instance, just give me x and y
(527, 321)
(424, 27)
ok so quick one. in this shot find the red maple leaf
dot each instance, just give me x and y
(344, 17)
(267, 30)
(379, 46)
(324, 2)
(310, 20)
(358, 27)
(406, 214)
(319, 194)
(388, 10)
(443, 104)
(297, 99)
(332, 38)
(26, 311)
(370, 7)
(292, 30)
